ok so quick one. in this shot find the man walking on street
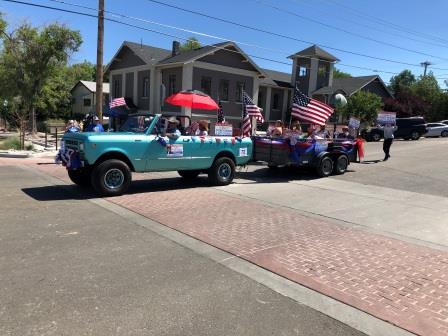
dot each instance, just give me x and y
(388, 139)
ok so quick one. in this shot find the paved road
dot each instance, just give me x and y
(375, 238)
(70, 267)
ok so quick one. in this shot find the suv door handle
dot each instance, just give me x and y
(138, 140)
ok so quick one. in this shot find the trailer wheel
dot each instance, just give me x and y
(340, 165)
(325, 167)
(222, 171)
(80, 177)
(111, 178)
(189, 174)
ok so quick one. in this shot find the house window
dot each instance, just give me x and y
(117, 89)
(145, 87)
(206, 85)
(302, 71)
(224, 90)
(239, 91)
(87, 102)
(260, 99)
(171, 84)
(275, 102)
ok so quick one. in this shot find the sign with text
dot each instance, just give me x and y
(386, 118)
(223, 130)
(354, 123)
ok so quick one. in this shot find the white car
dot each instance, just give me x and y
(444, 122)
(436, 130)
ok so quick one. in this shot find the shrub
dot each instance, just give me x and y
(10, 143)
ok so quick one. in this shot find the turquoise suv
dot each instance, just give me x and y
(106, 160)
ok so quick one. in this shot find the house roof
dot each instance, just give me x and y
(195, 54)
(191, 55)
(315, 51)
(276, 78)
(348, 85)
(91, 86)
(149, 54)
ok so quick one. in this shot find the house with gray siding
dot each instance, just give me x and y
(84, 97)
(146, 75)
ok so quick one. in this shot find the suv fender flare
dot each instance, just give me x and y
(117, 154)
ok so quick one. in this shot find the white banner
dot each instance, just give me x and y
(386, 118)
(354, 123)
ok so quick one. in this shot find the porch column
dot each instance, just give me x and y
(256, 89)
(135, 89)
(285, 103)
(187, 84)
(156, 82)
(268, 103)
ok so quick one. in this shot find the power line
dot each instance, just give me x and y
(213, 36)
(277, 34)
(303, 17)
(391, 24)
(166, 34)
(376, 29)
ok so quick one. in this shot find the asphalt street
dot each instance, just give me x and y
(70, 267)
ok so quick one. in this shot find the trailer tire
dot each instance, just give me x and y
(222, 171)
(111, 178)
(340, 165)
(80, 177)
(325, 167)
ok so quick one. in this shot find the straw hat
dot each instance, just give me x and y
(173, 120)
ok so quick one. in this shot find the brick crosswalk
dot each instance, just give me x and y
(400, 282)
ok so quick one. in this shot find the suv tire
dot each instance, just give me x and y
(415, 135)
(222, 171)
(111, 178)
(444, 134)
(376, 137)
(80, 177)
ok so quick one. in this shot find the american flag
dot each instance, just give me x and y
(247, 125)
(117, 102)
(221, 118)
(309, 109)
(252, 109)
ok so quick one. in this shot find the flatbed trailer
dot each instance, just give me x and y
(327, 157)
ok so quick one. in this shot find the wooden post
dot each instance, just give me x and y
(99, 62)
(56, 138)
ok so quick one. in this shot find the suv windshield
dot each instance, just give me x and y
(136, 124)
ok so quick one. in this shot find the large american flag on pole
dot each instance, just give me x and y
(308, 109)
(252, 109)
(117, 102)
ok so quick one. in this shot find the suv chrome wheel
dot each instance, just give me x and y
(114, 178)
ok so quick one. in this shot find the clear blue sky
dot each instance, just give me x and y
(424, 17)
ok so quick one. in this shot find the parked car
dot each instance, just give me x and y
(436, 130)
(444, 122)
(408, 128)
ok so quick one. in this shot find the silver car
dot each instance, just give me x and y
(436, 130)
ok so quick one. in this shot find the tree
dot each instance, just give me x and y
(404, 80)
(340, 74)
(30, 57)
(363, 106)
(190, 44)
(407, 104)
(55, 98)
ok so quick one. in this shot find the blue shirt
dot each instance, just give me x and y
(98, 128)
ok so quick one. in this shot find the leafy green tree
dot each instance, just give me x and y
(55, 98)
(363, 106)
(190, 44)
(30, 57)
(404, 80)
(340, 74)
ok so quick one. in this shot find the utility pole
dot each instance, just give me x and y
(99, 61)
(425, 64)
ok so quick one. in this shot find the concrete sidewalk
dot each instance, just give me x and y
(403, 214)
(71, 267)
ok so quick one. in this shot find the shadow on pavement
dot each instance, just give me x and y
(278, 175)
(370, 161)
